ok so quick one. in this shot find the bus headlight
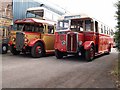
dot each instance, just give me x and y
(13, 39)
(26, 40)
(63, 42)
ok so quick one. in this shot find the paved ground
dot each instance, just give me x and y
(25, 72)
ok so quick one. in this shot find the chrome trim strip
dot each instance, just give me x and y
(71, 43)
(77, 42)
(76, 33)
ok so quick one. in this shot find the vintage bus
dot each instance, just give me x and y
(5, 25)
(44, 13)
(82, 35)
(33, 35)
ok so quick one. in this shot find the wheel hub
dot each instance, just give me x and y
(91, 53)
(38, 50)
(4, 48)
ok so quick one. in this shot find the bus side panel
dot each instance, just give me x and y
(104, 42)
(49, 40)
(81, 37)
(59, 39)
(101, 45)
(90, 36)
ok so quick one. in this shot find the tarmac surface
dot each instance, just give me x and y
(22, 71)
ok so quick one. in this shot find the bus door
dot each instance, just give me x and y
(49, 37)
(96, 36)
(89, 30)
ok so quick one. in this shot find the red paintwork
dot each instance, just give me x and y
(32, 33)
(32, 42)
(24, 20)
(33, 20)
(88, 38)
(38, 47)
(87, 44)
(10, 43)
(58, 42)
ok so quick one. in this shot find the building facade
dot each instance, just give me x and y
(20, 7)
(6, 9)
(16, 9)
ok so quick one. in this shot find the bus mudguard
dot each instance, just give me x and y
(32, 42)
(87, 44)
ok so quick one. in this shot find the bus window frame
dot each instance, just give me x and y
(78, 26)
(53, 29)
(91, 24)
(32, 28)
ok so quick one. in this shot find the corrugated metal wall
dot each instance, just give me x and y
(20, 7)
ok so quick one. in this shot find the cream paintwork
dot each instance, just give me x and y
(49, 40)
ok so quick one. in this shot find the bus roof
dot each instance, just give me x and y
(74, 16)
(35, 8)
(34, 20)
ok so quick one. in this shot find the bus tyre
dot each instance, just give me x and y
(4, 48)
(90, 54)
(37, 50)
(58, 54)
(109, 49)
(14, 51)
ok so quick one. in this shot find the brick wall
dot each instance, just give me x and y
(6, 8)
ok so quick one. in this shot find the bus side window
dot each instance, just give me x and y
(101, 28)
(87, 25)
(73, 25)
(41, 28)
(36, 28)
(50, 29)
(107, 31)
(96, 26)
(80, 26)
(104, 30)
(112, 32)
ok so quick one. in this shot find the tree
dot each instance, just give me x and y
(117, 33)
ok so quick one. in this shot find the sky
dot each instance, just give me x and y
(102, 10)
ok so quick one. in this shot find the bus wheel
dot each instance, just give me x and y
(14, 51)
(4, 48)
(37, 50)
(58, 54)
(109, 49)
(90, 54)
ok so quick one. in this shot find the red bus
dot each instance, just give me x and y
(82, 35)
